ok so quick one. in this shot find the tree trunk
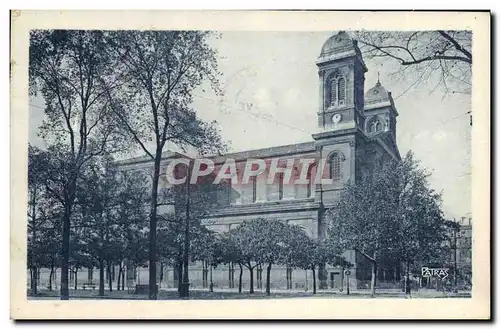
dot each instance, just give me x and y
(161, 273)
(34, 281)
(185, 276)
(407, 279)
(455, 270)
(65, 250)
(76, 278)
(241, 276)
(342, 279)
(152, 226)
(119, 276)
(110, 281)
(123, 279)
(251, 279)
(211, 280)
(179, 277)
(33, 270)
(51, 275)
(101, 276)
(31, 280)
(314, 280)
(373, 279)
(268, 279)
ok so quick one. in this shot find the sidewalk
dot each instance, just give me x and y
(422, 293)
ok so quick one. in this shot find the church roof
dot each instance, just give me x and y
(339, 42)
(378, 97)
(377, 94)
(339, 45)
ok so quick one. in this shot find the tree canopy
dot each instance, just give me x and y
(390, 212)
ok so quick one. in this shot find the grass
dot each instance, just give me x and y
(219, 295)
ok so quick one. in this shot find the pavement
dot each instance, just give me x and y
(171, 293)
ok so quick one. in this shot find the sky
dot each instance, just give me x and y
(277, 74)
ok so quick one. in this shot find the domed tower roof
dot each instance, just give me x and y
(378, 97)
(339, 45)
(340, 41)
(377, 94)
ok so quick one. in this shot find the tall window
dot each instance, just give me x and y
(333, 92)
(337, 90)
(341, 90)
(280, 186)
(254, 188)
(335, 166)
(310, 184)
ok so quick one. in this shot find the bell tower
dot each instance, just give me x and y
(341, 72)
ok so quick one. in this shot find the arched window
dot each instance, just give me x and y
(375, 126)
(333, 91)
(310, 184)
(341, 90)
(337, 90)
(335, 166)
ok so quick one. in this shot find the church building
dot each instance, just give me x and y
(356, 128)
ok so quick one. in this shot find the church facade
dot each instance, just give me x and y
(356, 128)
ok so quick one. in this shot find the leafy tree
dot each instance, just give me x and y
(390, 213)
(271, 246)
(207, 246)
(261, 241)
(364, 217)
(130, 210)
(69, 69)
(158, 71)
(44, 217)
(242, 241)
(111, 205)
(422, 226)
(38, 206)
(95, 198)
(440, 57)
(192, 205)
(230, 253)
(307, 253)
(79, 255)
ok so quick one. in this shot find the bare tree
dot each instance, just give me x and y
(441, 58)
(159, 71)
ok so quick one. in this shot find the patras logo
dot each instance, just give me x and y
(288, 171)
(428, 272)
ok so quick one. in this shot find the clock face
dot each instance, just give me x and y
(336, 118)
